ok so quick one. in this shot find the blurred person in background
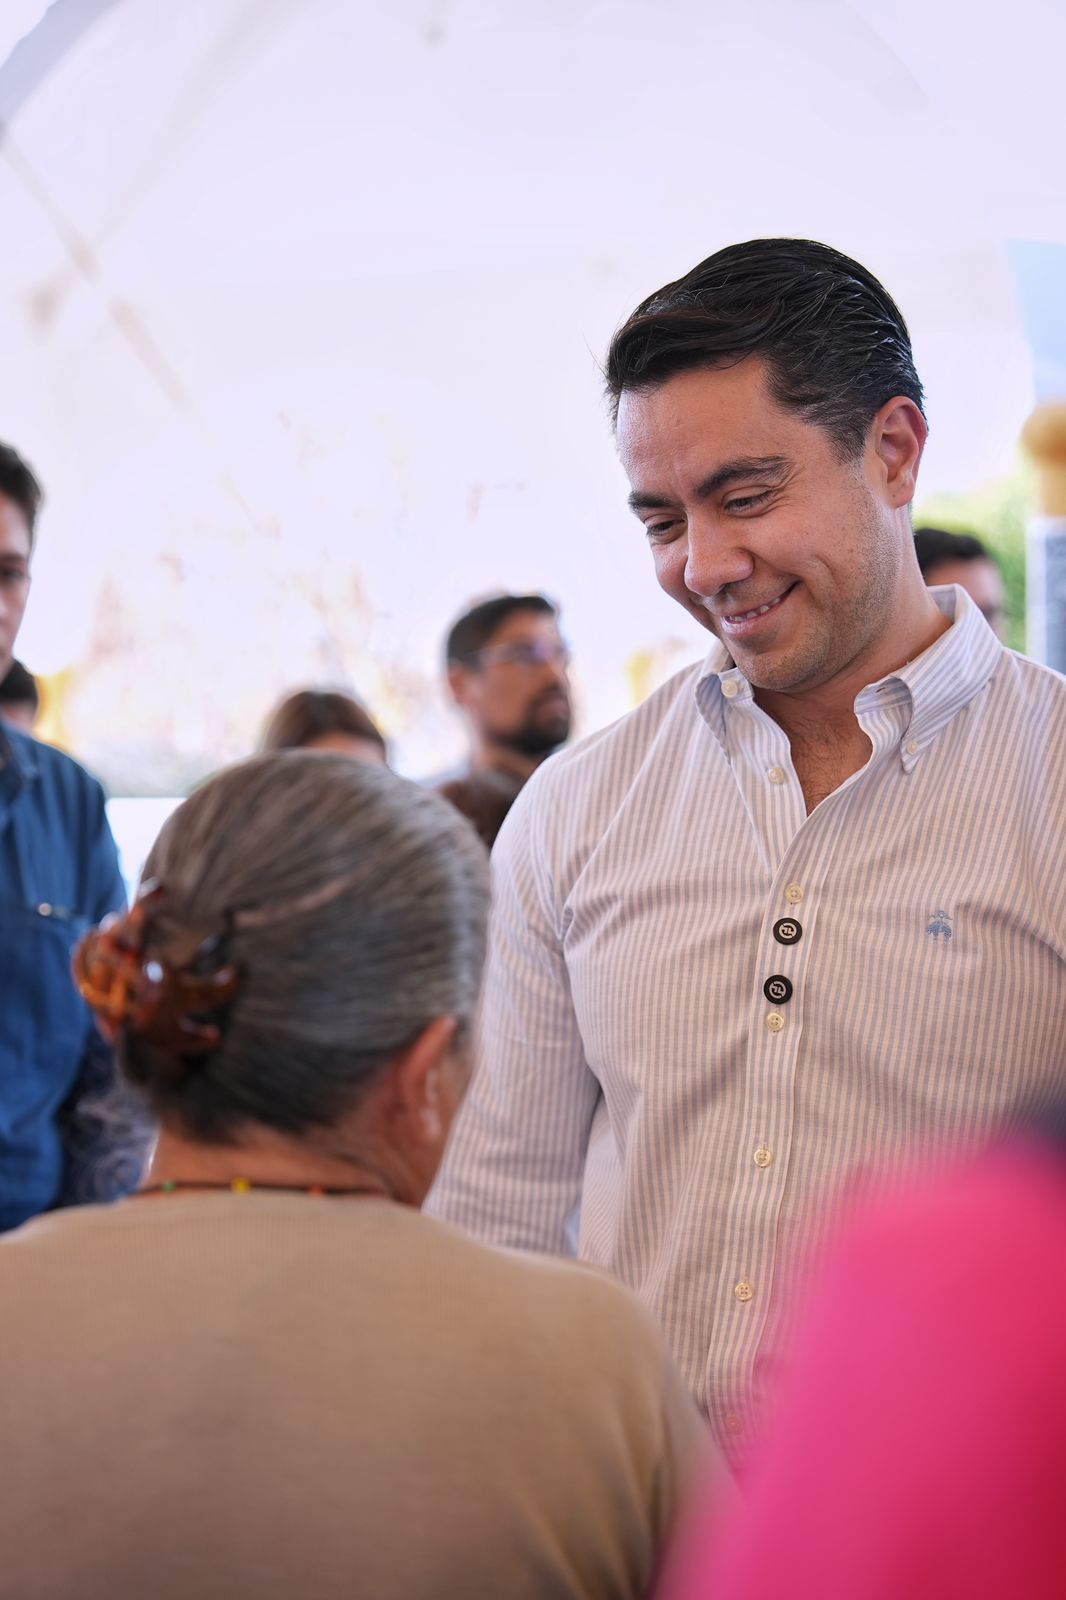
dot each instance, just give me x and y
(484, 798)
(921, 1450)
(507, 672)
(802, 913)
(300, 1385)
(20, 698)
(326, 719)
(961, 558)
(68, 1133)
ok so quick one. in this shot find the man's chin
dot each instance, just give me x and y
(783, 672)
(538, 743)
(557, 734)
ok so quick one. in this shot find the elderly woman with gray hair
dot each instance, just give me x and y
(268, 1374)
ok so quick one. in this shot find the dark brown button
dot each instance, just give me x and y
(788, 931)
(778, 989)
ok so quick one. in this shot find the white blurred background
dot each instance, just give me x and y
(302, 304)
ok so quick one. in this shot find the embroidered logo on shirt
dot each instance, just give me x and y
(939, 926)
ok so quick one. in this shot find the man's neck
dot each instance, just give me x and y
(489, 756)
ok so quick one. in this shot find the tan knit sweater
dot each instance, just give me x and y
(210, 1396)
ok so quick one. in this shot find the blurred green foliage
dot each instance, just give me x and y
(997, 513)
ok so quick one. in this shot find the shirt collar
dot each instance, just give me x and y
(944, 678)
(17, 760)
(935, 686)
(719, 669)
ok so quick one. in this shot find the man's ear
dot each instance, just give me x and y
(459, 682)
(897, 438)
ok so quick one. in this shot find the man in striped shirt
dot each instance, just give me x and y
(800, 917)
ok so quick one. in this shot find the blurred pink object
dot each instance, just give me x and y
(922, 1449)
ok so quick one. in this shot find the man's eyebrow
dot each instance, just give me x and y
(741, 469)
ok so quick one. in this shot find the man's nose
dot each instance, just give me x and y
(715, 559)
(555, 671)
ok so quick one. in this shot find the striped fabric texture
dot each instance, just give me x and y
(711, 1020)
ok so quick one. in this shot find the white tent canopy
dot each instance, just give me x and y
(301, 304)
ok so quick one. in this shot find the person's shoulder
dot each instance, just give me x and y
(54, 766)
(590, 1297)
(53, 1246)
(562, 1301)
(1028, 708)
(1030, 680)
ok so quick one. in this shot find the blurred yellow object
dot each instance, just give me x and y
(1044, 441)
(51, 726)
(639, 671)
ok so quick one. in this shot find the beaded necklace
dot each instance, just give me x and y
(243, 1186)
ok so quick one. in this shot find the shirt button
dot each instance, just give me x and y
(912, 747)
(733, 1423)
(763, 1157)
(793, 894)
(778, 989)
(788, 931)
(777, 775)
(731, 688)
(743, 1291)
(775, 1021)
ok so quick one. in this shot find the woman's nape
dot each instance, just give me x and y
(389, 1143)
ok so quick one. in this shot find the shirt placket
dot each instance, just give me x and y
(797, 849)
(762, 765)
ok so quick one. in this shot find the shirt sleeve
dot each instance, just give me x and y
(106, 1129)
(513, 1170)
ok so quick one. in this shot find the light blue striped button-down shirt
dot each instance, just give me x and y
(635, 1080)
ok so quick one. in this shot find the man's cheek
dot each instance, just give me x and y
(669, 572)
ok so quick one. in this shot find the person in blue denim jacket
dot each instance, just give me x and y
(69, 1133)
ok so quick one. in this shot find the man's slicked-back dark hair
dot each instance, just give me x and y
(20, 486)
(834, 341)
(474, 629)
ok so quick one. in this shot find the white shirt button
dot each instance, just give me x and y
(731, 688)
(743, 1291)
(733, 1423)
(912, 747)
(775, 1021)
(763, 1157)
(794, 894)
(777, 775)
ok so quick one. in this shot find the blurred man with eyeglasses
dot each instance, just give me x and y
(507, 672)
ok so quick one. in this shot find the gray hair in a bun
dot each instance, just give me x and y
(354, 905)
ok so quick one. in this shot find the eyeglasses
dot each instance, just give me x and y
(538, 653)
